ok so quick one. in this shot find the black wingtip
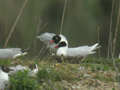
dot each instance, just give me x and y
(25, 50)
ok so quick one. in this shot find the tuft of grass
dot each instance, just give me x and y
(21, 81)
(5, 62)
(48, 73)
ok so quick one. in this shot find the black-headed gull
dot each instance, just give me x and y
(4, 78)
(51, 39)
(15, 69)
(81, 51)
(11, 53)
(33, 69)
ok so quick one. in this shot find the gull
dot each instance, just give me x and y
(64, 50)
(15, 69)
(81, 51)
(32, 70)
(12, 53)
(4, 78)
(51, 39)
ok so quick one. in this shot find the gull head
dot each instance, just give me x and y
(56, 39)
(61, 44)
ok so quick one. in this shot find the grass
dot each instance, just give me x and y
(58, 76)
(21, 81)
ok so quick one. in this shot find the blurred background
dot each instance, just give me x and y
(86, 22)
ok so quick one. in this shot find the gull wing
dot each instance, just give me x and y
(10, 52)
(46, 37)
(82, 50)
(15, 69)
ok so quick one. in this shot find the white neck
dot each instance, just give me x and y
(62, 51)
(1, 71)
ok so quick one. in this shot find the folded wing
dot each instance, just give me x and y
(46, 37)
(11, 52)
(82, 50)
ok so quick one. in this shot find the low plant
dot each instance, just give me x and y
(48, 73)
(21, 81)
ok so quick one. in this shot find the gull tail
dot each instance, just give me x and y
(25, 51)
(94, 47)
(38, 37)
(22, 52)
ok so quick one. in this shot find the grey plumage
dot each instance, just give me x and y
(11, 53)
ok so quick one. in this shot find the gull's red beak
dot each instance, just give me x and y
(56, 46)
(51, 41)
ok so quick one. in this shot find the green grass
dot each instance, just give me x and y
(21, 81)
(5, 62)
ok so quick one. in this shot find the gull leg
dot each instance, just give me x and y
(62, 59)
(83, 58)
(58, 59)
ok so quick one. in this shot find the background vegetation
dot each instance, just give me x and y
(85, 21)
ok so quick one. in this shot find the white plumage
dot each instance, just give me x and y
(4, 79)
(15, 69)
(47, 37)
(81, 51)
(63, 38)
(34, 71)
(11, 53)
(18, 68)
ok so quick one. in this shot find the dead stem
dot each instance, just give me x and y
(62, 20)
(110, 31)
(114, 46)
(15, 23)
(98, 29)
(116, 32)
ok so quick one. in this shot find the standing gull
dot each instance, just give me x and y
(4, 78)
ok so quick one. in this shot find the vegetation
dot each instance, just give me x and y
(84, 22)
(61, 76)
(21, 81)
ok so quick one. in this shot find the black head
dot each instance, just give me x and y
(5, 69)
(32, 66)
(61, 44)
(25, 50)
(56, 39)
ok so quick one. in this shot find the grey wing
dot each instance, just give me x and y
(16, 69)
(46, 37)
(9, 52)
(5, 53)
(78, 51)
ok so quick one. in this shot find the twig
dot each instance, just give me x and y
(15, 23)
(114, 45)
(110, 32)
(62, 21)
(116, 32)
(37, 31)
(98, 29)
